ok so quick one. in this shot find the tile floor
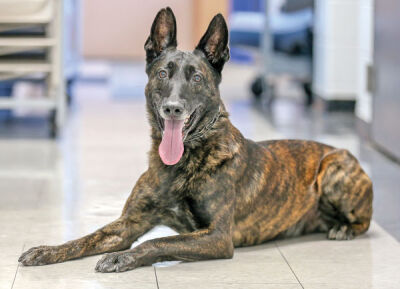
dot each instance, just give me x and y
(53, 191)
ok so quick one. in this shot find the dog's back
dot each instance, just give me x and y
(284, 192)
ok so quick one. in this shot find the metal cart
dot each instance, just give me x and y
(280, 58)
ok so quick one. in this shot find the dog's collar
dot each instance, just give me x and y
(207, 127)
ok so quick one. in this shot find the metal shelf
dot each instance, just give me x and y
(47, 15)
(27, 42)
(25, 66)
(34, 11)
(42, 103)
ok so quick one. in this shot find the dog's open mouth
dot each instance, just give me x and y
(174, 133)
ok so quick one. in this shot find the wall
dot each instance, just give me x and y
(204, 11)
(118, 29)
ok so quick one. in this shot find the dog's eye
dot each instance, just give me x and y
(197, 78)
(162, 74)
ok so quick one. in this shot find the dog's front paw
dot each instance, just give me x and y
(36, 256)
(117, 262)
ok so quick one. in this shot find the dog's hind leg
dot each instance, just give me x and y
(346, 196)
(139, 216)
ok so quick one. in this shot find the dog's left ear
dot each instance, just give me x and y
(214, 43)
(162, 34)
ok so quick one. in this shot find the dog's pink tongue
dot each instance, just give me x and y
(171, 147)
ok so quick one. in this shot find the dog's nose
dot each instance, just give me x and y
(173, 109)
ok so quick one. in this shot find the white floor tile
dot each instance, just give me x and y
(83, 284)
(374, 285)
(260, 264)
(369, 261)
(81, 270)
(206, 284)
(7, 273)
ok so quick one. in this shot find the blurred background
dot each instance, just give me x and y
(73, 128)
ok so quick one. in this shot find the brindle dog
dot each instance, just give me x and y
(206, 181)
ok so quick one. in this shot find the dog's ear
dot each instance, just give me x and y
(162, 34)
(214, 43)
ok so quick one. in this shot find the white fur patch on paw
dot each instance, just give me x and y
(343, 232)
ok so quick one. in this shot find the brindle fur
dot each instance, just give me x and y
(226, 191)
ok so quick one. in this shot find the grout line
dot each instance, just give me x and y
(23, 247)
(291, 269)
(16, 271)
(155, 274)
(15, 276)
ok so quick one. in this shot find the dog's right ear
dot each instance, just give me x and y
(162, 34)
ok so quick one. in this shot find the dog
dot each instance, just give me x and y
(210, 184)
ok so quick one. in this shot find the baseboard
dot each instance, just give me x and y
(385, 152)
(336, 104)
(363, 129)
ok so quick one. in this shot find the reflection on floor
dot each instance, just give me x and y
(52, 192)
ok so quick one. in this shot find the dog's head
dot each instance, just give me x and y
(182, 92)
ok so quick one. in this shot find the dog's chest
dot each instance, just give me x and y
(184, 200)
(189, 214)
